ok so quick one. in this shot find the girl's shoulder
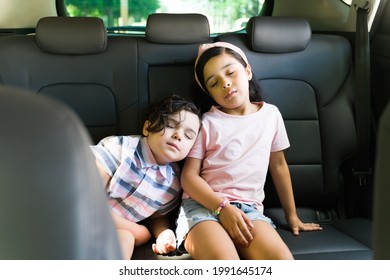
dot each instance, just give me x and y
(216, 116)
(269, 108)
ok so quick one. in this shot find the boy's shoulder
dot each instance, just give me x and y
(123, 140)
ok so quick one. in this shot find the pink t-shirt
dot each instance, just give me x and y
(235, 151)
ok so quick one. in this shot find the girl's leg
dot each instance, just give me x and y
(126, 242)
(266, 244)
(208, 240)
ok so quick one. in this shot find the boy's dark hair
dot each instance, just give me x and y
(159, 111)
(254, 88)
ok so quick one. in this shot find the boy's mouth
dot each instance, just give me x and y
(174, 146)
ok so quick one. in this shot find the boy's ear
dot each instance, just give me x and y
(145, 131)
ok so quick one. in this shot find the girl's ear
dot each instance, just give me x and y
(249, 72)
(145, 131)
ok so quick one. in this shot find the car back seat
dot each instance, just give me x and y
(109, 81)
(73, 60)
(308, 77)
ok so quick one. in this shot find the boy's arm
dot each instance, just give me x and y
(106, 178)
(165, 238)
(281, 177)
(141, 233)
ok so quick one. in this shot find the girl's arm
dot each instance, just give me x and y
(196, 187)
(281, 177)
(235, 222)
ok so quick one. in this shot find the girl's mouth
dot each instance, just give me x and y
(230, 94)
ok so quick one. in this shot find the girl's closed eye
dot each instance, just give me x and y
(213, 84)
(230, 73)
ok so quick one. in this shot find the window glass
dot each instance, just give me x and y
(348, 2)
(130, 15)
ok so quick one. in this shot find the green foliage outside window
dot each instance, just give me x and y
(112, 10)
(223, 15)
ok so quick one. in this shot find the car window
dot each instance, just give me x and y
(348, 2)
(129, 16)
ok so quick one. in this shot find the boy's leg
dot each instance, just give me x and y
(266, 244)
(127, 242)
(208, 240)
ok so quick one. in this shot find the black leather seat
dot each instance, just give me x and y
(167, 55)
(73, 60)
(381, 231)
(52, 202)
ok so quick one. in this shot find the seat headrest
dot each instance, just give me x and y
(278, 34)
(61, 189)
(71, 35)
(177, 28)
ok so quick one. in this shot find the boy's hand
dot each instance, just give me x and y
(165, 242)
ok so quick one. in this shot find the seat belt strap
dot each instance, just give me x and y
(363, 97)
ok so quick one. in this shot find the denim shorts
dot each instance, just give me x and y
(191, 213)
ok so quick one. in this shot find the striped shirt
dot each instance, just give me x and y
(139, 187)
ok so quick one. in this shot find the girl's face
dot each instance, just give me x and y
(227, 81)
(174, 142)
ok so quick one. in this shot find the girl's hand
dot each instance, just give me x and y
(296, 225)
(165, 242)
(237, 225)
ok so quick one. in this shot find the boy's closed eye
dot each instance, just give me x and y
(190, 134)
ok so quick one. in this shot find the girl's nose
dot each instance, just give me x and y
(226, 84)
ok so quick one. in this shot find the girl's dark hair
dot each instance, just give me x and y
(159, 111)
(254, 87)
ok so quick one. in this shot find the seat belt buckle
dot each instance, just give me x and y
(362, 176)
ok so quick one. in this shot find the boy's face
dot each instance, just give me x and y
(175, 141)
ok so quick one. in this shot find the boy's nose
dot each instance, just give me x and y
(176, 136)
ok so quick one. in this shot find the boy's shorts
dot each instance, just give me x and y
(191, 213)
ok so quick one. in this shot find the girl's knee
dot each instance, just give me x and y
(209, 241)
(284, 254)
(278, 252)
